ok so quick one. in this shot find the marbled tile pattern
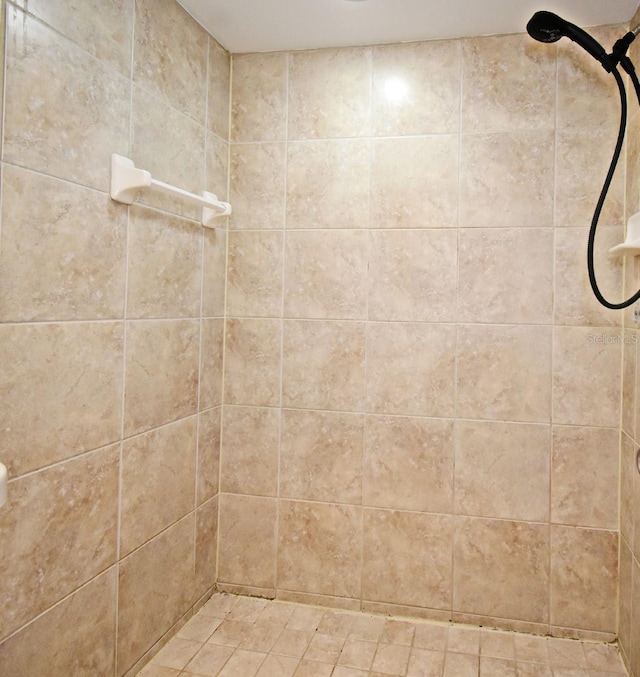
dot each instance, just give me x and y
(252, 637)
(413, 355)
(111, 331)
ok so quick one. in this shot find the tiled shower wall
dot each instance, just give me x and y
(111, 334)
(421, 395)
(629, 615)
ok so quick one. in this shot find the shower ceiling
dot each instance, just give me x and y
(271, 25)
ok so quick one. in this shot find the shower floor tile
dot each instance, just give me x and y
(235, 636)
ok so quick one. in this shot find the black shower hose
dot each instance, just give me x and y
(607, 183)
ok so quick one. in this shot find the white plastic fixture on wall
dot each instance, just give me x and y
(127, 180)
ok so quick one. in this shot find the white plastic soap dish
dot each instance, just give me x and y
(631, 244)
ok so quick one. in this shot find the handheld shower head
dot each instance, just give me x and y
(549, 27)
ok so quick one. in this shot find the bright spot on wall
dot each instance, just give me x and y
(396, 90)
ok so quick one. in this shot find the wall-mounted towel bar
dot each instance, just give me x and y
(127, 180)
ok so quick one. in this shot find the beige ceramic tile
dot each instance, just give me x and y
(423, 663)
(218, 104)
(319, 548)
(259, 97)
(628, 450)
(170, 56)
(74, 636)
(575, 302)
(323, 365)
(158, 476)
(165, 265)
(391, 659)
(504, 372)
(414, 182)
(321, 456)
(208, 454)
(577, 188)
(413, 275)
(206, 549)
(507, 179)
(63, 254)
(408, 463)
(460, 665)
(633, 166)
(170, 145)
(583, 590)
(211, 349)
(59, 102)
(498, 98)
(102, 28)
(250, 441)
(328, 183)
(60, 391)
(330, 93)
(587, 378)
(217, 166)
(629, 371)
(152, 598)
(516, 554)
(254, 274)
(176, 654)
(247, 554)
(584, 486)
(161, 373)
(407, 558)
(257, 176)
(587, 94)
(410, 369)
(325, 274)
(252, 362)
(484, 256)
(503, 470)
(209, 660)
(214, 273)
(416, 88)
(635, 620)
(59, 529)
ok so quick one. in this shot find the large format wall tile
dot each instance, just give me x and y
(416, 88)
(323, 365)
(152, 598)
(247, 553)
(250, 440)
(59, 530)
(413, 275)
(60, 391)
(407, 558)
(65, 111)
(582, 587)
(166, 34)
(503, 470)
(313, 289)
(584, 485)
(218, 103)
(158, 478)
(328, 183)
(319, 548)
(411, 368)
(408, 463)
(102, 27)
(514, 553)
(62, 255)
(497, 99)
(414, 182)
(165, 265)
(208, 454)
(161, 373)
(321, 456)
(507, 179)
(75, 637)
(330, 93)
(504, 372)
(258, 109)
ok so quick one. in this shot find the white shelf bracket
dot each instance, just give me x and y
(127, 180)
